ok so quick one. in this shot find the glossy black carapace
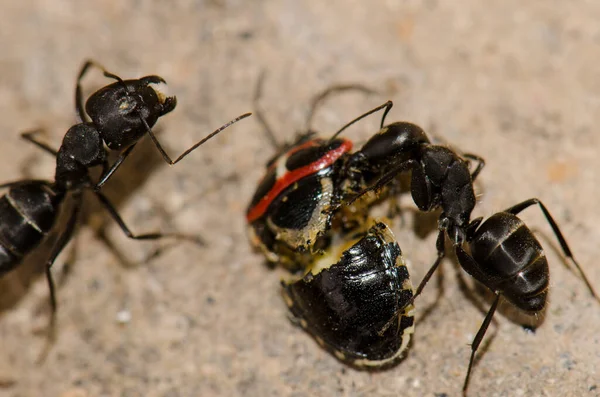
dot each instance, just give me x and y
(358, 307)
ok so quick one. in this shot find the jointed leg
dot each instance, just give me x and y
(22, 182)
(30, 137)
(441, 252)
(479, 338)
(384, 180)
(259, 113)
(59, 245)
(480, 164)
(147, 236)
(108, 171)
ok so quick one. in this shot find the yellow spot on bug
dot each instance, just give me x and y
(288, 301)
(339, 355)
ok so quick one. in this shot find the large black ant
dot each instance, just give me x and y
(121, 113)
(505, 256)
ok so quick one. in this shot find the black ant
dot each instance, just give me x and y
(121, 113)
(505, 256)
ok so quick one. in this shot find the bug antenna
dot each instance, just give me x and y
(388, 105)
(259, 113)
(334, 89)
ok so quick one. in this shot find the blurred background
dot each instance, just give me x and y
(515, 82)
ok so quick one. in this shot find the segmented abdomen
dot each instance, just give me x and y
(27, 213)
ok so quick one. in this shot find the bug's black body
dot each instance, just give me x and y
(359, 306)
(119, 115)
(294, 223)
(355, 296)
(503, 254)
(308, 207)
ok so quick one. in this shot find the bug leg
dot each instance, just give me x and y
(56, 250)
(480, 164)
(259, 113)
(30, 137)
(515, 209)
(146, 236)
(478, 338)
(441, 252)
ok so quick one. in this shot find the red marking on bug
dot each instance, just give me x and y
(293, 176)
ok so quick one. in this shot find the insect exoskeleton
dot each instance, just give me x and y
(354, 300)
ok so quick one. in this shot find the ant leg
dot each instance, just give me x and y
(56, 250)
(107, 172)
(480, 164)
(441, 252)
(479, 338)
(191, 149)
(79, 107)
(147, 236)
(384, 180)
(388, 105)
(515, 209)
(30, 137)
(259, 113)
(319, 98)
(22, 182)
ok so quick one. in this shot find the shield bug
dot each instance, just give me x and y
(358, 307)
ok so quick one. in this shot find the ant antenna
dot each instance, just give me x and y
(388, 105)
(319, 98)
(78, 92)
(164, 154)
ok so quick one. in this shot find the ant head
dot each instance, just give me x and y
(393, 143)
(125, 110)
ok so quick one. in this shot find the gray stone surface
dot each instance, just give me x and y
(515, 82)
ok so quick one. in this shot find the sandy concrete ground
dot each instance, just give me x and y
(515, 82)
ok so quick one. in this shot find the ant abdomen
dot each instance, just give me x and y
(28, 212)
(513, 261)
